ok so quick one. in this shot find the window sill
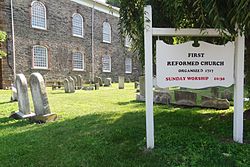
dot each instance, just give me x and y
(107, 71)
(78, 36)
(79, 70)
(37, 68)
(106, 42)
(39, 28)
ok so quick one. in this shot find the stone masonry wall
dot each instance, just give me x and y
(61, 44)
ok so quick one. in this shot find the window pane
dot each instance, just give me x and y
(38, 18)
(77, 24)
(106, 63)
(128, 65)
(40, 57)
(78, 61)
(106, 32)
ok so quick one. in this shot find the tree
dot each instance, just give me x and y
(3, 36)
(114, 2)
(223, 15)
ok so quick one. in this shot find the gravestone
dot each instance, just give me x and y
(227, 94)
(66, 85)
(71, 85)
(23, 98)
(216, 103)
(121, 82)
(75, 81)
(14, 96)
(185, 98)
(215, 92)
(141, 95)
(98, 80)
(79, 82)
(162, 97)
(40, 100)
(107, 82)
(97, 86)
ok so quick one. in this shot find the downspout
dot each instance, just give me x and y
(13, 41)
(92, 42)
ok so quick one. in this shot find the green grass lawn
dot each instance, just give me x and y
(106, 128)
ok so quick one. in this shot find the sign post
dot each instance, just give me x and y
(223, 65)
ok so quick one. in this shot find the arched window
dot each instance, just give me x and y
(106, 32)
(77, 25)
(78, 61)
(128, 65)
(106, 63)
(40, 57)
(38, 15)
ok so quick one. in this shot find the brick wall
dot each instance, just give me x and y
(61, 44)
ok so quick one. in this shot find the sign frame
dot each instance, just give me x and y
(239, 46)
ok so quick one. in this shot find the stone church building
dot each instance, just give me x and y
(62, 38)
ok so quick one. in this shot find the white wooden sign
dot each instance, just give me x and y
(194, 67)
(218, 77)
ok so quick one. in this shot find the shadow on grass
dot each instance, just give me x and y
(182, 136)
(8, 102)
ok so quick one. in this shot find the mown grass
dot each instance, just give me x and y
(107, 128)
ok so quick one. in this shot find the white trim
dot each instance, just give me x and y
(103, 70)
(76, 35)
(130, 64)
(102, 7)
(107, 30)
(33, 58)
(45, 15)
(83, 61)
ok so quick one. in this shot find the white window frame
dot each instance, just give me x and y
(109, 61)
(82, 22)
(128, 41)
(128, 60)
(33, 58)
(45, 16)
(78, 69)
(106, 30)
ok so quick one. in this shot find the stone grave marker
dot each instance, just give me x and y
(23, 99)
(185, 98)
(79, 82)
(66, 85)
(14, 96)
(107, 82)
(75, 81)
(97, 86)
(121, 82)
(216, 103)
(40, 100)
(141, 96)
(71, 85)
(227, 94)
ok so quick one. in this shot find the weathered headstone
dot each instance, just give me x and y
(215, 91)
(71, 85)
(121, 82)
(66, 85)
(14, 96)
(23, 98)
(98, 80)
(142, 85)
(40, 99)
(227, 94)
(216, 103)
(141, 95)
(75, 81)
(97, 86)
(107, 82)
(162, 97)
(79, 82)
(185, 98)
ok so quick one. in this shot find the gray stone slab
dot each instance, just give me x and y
(121, 82)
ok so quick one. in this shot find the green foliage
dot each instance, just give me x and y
(223, 15)
(3, 37)
(114, 2)
(107, 128)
